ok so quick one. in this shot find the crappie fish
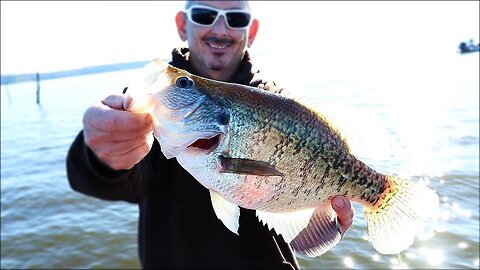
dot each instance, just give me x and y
(262, 151)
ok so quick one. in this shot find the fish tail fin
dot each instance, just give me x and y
(396, 218)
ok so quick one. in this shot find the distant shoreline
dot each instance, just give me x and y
(25, 77)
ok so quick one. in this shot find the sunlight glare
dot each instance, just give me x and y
(348, 262)
(461, 211)
(426, 235)
(400, 266)
(434, 257)
(396, 264)
(410, 255)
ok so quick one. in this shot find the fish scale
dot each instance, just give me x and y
(277, 156)
(266, 127)
(245, 107)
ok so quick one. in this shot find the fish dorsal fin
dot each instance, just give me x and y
(288, 224)
(247, 166)
(321, 234)
(227, 212)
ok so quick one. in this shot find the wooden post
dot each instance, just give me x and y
(38, 88)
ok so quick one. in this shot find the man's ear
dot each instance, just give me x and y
(252, 32)
(181, 21)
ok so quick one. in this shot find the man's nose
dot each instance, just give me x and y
(220, 26)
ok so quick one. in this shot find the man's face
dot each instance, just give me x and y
(217, 49)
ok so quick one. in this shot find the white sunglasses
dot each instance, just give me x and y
(207, 16)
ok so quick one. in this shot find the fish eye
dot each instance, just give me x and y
(184, 82)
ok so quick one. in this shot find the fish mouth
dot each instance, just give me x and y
(207, 144)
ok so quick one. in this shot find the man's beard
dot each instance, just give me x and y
(217, 64)
(220, 64)
(216, 67)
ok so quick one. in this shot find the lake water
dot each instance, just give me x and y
(426, 129)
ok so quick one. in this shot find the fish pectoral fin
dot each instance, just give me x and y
(227, 212)
(288, 224)
(321, 234)
(247, 166)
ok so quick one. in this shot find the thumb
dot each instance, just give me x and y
(117, 102)
(345, 212)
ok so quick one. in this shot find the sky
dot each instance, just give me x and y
(57, 35)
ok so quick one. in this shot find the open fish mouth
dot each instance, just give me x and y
(207, 144)
(173, 144)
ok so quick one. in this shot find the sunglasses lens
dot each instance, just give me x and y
(203, 16)
(238, 19)
(207, 16)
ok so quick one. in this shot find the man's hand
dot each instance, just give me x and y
(118, 138)
(345, 213)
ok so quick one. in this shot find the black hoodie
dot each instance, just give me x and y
(177, 226)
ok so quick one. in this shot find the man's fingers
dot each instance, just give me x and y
(104, 118)
(120, 136)
(345, 212)
(116, 102)
(122, 121)
(133, 156)
(119, 148)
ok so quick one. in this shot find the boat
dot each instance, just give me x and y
(469, 47)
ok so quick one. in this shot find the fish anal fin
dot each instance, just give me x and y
(288, 224)
(226, 211)
(247, 166)
(321, 234)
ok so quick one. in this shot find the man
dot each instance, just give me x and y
(116, 158)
